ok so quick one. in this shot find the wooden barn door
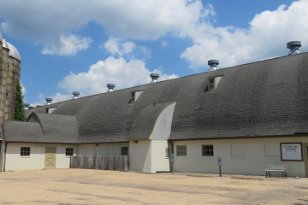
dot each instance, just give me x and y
(50, 157)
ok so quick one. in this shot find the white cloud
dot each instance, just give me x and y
(209, 11)
(115, 47)
(67, 45)
(126, 49)
(59, 97)
(111, 70)
(135, 20)
(23, 89)
(266, 37)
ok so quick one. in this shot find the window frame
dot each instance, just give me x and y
(69, 151)
(213, 83)
(179, 152)
(167, 153)
(133, 96)
(123, 152)
(211, 86)
(207, 150)
(25, 151)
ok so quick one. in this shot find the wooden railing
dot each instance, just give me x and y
(119, 163)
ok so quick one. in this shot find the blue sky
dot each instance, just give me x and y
(83, 45)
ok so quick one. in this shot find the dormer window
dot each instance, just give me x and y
(213, 83)
(50, 110)
(135, 95)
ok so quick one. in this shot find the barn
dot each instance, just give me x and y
(243, 118)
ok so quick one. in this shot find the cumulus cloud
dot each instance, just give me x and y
(127, 49)
(266, 37)
(115, 47)
(45, 22)
(122, 72)
(134, 19)
(67, 46)
(59, 97)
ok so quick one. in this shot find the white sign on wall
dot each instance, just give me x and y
(291, 151)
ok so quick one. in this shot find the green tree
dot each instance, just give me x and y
(19, 106)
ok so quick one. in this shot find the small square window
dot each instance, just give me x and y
(207, 150)
(25, 151)
(181, 150)
(124, 151)
(69, 151)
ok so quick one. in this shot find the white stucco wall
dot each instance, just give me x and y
(140, 156)
(240, 156)
(148, 156)
(36, 160)
(159, 161)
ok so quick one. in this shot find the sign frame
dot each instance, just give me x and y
(282, 155)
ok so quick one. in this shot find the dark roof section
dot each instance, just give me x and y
(57, 127)
(266, 98)
(22, 131)
(43, 128)
(258, 99)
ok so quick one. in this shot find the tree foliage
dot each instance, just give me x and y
(19, 106)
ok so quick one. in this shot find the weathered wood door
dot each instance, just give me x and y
(50, 157)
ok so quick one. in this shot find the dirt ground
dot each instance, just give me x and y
(76, 186)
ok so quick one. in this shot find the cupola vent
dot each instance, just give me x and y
(48, 100)
(110, 87)
(76, 94)
(294, 47)
(213, 64)
(154, 77)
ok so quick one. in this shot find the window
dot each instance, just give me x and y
(213, 83)
(207, 150)
(25, 151)
(181, 150)
(135, 95)
(124, 151)
(167, 152)
(69, 151)
(50, 110)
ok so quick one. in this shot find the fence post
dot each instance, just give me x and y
(126, 163)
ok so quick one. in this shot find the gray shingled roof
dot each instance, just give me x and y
(267, 98)
(142, 127)
(22, 131)
(43, 128)
(63, 126)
